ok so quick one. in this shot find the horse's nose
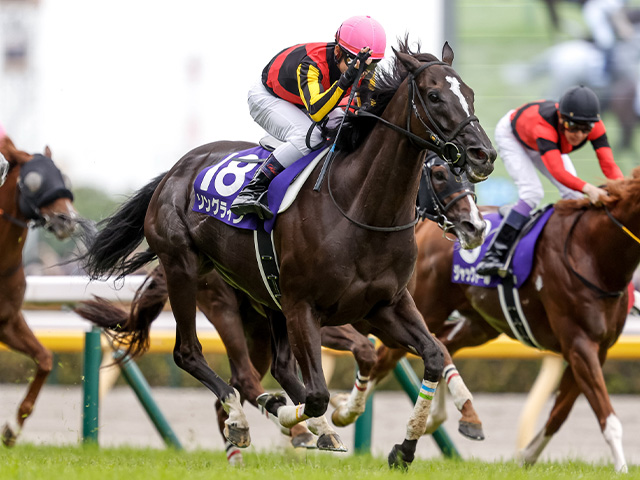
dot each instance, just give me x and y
(473, 232)
(481, 155)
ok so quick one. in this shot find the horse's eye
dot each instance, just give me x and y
(434, 97)
(439, 175)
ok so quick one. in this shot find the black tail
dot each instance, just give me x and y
(129, 331)
(120, 235)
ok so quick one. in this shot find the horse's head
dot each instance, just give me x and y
(45, 196)
(441, 113)
(450, 202)
(4, 169)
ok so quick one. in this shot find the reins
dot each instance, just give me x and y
(15, 220)
(437, 142)
(616, 222)
(446, 149)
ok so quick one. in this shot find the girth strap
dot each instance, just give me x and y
(512, 310)
(267, 262)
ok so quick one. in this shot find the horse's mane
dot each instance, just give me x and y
(11, 153)
(624, 188)
(387, 82)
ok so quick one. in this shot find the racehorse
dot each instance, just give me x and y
(345, 252)
(34, 194)
(240, 322)
(575, 300)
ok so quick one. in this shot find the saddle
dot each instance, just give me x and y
(519, 261)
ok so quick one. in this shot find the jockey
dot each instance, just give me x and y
(539, 135)
(301, 85)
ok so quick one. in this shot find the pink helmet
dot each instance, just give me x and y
(362, 31)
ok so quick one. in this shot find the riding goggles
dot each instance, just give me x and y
(577, 126)
(349, 57)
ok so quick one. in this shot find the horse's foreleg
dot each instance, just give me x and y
(17, 335)
(283, 368)
(404, 326)
(182, 285)
(585, 358)
(347, 338)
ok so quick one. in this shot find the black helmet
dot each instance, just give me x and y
(580, 104)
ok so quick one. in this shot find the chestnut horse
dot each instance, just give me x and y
(34, 194)
(575, 299)
(345, 253)
(241, 325)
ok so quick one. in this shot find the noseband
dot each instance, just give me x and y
(437, 142)
(435, 209)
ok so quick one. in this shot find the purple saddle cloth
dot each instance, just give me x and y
(465, 261)
(217, 186)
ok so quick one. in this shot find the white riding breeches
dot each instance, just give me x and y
(287, 122)
(521, 164)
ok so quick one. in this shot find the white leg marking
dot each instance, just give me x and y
(529, 454)
(234, 410)
(319, 426)
(613, 435)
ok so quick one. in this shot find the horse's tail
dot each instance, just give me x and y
(121, 234)
(129, 331)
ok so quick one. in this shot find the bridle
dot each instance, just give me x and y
(435, 208)
(437, 141)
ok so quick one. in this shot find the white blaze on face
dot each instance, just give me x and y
(455, 88)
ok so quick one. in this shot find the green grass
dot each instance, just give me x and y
(27, 462)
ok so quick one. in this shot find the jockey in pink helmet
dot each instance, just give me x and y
(301, 85)
(357, 33)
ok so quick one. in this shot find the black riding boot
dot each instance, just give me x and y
(493, 261)
(253, 197)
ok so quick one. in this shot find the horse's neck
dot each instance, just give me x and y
(620, 252)
(379, 181)
(11, 153)
(12, 236)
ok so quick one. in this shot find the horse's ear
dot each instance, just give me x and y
(447, 53)
(410, 62)
(47, 151)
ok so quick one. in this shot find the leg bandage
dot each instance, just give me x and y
(458, 389)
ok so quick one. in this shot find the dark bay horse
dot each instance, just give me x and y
(241, 324)
(576, 301)
(34, 194)
(345, 253)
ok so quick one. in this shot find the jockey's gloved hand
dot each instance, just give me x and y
(348, 77)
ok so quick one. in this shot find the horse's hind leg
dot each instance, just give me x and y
(17, 335)
(182, 285)
(346, 338)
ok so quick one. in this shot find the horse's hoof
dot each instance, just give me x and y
(304, 440)
(396, 459)
(9, 436)
(331, 442)
(338, 399)
(238, 436)
(471, 430)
